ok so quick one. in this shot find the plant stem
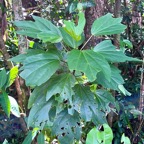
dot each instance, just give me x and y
(86, 42)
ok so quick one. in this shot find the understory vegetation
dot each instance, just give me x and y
(71, 72)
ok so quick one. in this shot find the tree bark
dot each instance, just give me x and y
(91, 14)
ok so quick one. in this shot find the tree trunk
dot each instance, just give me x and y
(91, 14)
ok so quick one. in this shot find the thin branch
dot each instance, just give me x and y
(86, 42)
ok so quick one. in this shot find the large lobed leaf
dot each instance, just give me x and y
(67, 127)
(39, 113)
(75, 31)
(39, 91)
(110, 53)
(61, 84)
(107, 25)
(39, 28)
(89, 63)
(85, 101)
(70, 41)
(116, 79)
(39, 68)
(104, 98)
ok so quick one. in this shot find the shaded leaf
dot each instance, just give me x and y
(107, 25)
(104, 98)
(5, 103)
(3, 78)
(61, 84)
(39, 113)
(116, 79)
(22, 57)
(89, 62)
(66, 127)
(30, 136)
(41, 139)
(39, 28)
(39, 91)
(84, 100)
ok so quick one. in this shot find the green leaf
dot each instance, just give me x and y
(14, 108)
(104, 98)
(3, 78)
(89, 62)
(39, 113)
(84, 101)
(69, 41)
(5, 142)
(88, 4)
(75, 31)
(109, 51)
(5, 103)
(39, 91)
(91, 137)
(96, 137)
(67, 127)
(125, 140)
(115, 81)
(127, 43)
(107, 25)
(136, 112)
(22, 57)
(39, 68)
(30, 136)
(123, 90)
(12, 75)
(61, 84)
(41, 139)
(39, 28)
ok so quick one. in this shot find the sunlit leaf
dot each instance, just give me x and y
(75, 31)
(69, 41)
(12, 75)
(14, 108)
(125, 140)
(96, 137)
